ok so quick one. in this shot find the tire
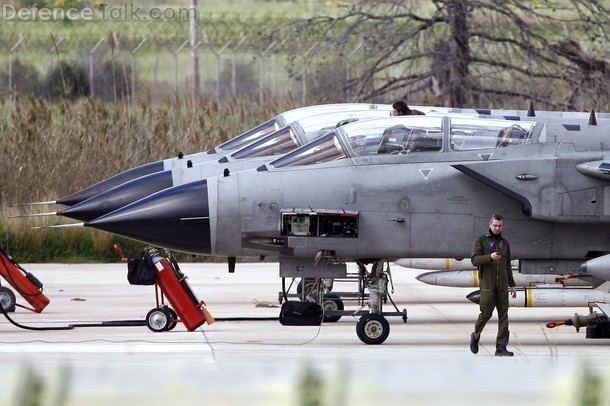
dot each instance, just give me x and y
(158, 319)
(7, 299)
(373, 328)
(308, 283)
(332, 302)
(172, 316)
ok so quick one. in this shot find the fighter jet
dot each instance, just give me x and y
(261, 150)
(261, 130)
(416, 186)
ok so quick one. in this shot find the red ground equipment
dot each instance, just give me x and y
(24, 283)
(150, 268)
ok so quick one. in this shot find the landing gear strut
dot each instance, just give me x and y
(373, 327)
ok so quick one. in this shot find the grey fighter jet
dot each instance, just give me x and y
(418, 186)
(264, 148)
(263, 129)
(253, 154)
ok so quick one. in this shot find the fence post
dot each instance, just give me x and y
(91, 52)
(175, 53)
(133, 69)
(234, 67)
(261, 84)
(304, 74)
(54, 50)
(10, 62)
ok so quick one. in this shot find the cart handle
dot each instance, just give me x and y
(118, 250)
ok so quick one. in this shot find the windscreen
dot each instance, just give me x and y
(324, 149)
(249, 136)
(278, 142)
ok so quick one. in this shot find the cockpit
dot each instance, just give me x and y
(284, 119)
(301, 132)
(409, 135)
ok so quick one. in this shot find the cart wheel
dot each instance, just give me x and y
(7, 299)
(173, 317)
(373, 328)
(332, 302)
(158, 319)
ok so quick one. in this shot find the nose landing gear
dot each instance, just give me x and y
(373, 327)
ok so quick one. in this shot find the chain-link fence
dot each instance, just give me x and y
(151, 69)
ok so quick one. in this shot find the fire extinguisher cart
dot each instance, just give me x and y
(150, 268)
(26, 284)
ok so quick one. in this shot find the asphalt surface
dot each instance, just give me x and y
(248, 357)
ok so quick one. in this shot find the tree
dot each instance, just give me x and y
(463, 53)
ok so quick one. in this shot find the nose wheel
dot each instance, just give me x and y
(373, 328)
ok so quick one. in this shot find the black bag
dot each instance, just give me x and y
(141, 271)
(296, 313)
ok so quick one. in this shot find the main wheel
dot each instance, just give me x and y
(7, 299)
(332, 302)
(372, 328)
(158, 319)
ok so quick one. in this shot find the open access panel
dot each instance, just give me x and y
(320, 223)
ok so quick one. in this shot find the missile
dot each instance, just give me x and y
(551, 297)
(439, 263)
(469, 278)
(434, 263)
(598, 267)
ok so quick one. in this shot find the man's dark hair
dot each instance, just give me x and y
(402, 107)
(497, 217)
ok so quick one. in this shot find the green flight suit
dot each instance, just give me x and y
(495, 278)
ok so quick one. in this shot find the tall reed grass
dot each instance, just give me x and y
(50, 149)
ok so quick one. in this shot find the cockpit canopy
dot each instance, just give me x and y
(411, 134)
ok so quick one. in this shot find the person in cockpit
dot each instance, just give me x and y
(400, 108)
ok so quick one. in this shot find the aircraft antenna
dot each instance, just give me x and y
(530, 110)
(592, 118)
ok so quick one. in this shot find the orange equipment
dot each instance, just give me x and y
(171, 283)
(24, 283)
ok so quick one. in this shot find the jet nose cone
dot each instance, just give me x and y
(111, 182)
(474, 297)
(119, 196)
(176, 218)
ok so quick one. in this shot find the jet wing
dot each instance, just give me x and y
(547, 188)
(522, 180)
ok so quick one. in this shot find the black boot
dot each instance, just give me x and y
(501, 351)
(474, 343)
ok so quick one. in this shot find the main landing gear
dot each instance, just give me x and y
(372, 326)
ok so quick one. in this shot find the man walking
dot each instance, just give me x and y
(491, 254)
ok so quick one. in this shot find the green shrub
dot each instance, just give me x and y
(25, 79)
(67, 80)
